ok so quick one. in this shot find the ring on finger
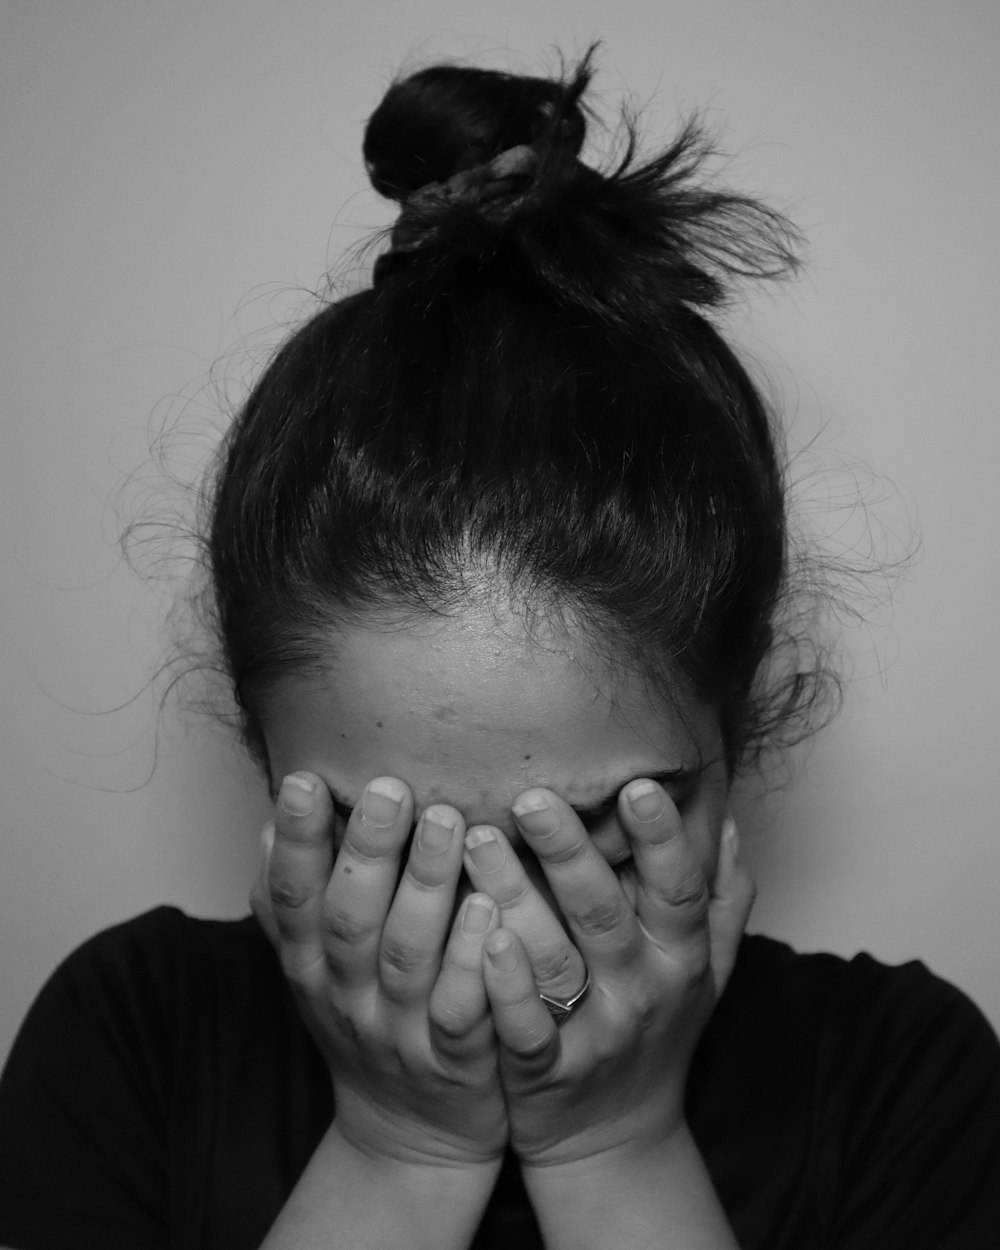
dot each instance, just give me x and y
(560, 1009)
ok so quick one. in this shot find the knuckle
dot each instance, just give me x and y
(341, 1023)
(427, 878)
(646, 1010)
(688, 893)
(450, 1023)
(357, 845)
(566, 854)
(514, 895)
(555, 968)
(463, 957)
(298, 831)
(287, 894)
(534, 1048)
(601, 917)
(400, 957)
(343, 929)
(632, 1015)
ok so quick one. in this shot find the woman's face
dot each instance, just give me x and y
(470, 711)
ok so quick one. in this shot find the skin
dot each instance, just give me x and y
(418, 960)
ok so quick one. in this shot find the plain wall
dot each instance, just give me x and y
(175, 176)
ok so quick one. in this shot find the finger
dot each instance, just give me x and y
(458, 1002)
(364, 880)
(524, 1027)
(602, 923)
(495, 869)
(260, 901)
(671, 890)
(300, 864)
(417, 925)
(733, 895)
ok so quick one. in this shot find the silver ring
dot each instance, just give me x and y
(560, 1009)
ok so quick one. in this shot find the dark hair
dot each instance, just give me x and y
(530, 402)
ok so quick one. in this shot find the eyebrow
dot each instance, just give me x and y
(588, 811)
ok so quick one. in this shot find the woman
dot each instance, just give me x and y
(499, 560)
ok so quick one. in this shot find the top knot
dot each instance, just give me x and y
(486, 167)
(493, 190)
(448, 119)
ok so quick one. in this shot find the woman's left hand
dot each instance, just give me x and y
(614, 1075)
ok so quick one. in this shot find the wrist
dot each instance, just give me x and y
(402, 1158)
(353, 1196)
(654, 1192)
(393, 1136)
(630, 1154)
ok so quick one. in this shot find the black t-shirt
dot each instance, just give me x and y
(162, 1092)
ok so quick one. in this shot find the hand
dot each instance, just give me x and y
(495, 869)
(396, 1004)
(613, 1078)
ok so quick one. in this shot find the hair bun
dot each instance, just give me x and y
(485, 165)
(447, 119)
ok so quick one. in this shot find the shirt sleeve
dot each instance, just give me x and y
(921, 1170)
(84, 1101)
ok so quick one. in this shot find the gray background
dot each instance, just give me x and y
(176, 177)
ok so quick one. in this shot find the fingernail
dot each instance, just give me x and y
(434, 835)
(502, 955)
(477, 916)
(485, 849)
(297, 795)
(645, 800)
(731, 835)
(381, 802)
(536, 817)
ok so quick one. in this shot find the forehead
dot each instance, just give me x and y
(472, 708)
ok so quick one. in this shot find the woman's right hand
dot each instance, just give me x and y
(389, 986)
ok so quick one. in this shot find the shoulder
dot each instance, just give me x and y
(147, 980)
(168, 937)
(857, 1014)
(161, 946)
(91, 1080)
(860, 1096)
(168, 931)
(118, 1073)
(844, 995)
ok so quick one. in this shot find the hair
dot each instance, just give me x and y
(531, 403)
